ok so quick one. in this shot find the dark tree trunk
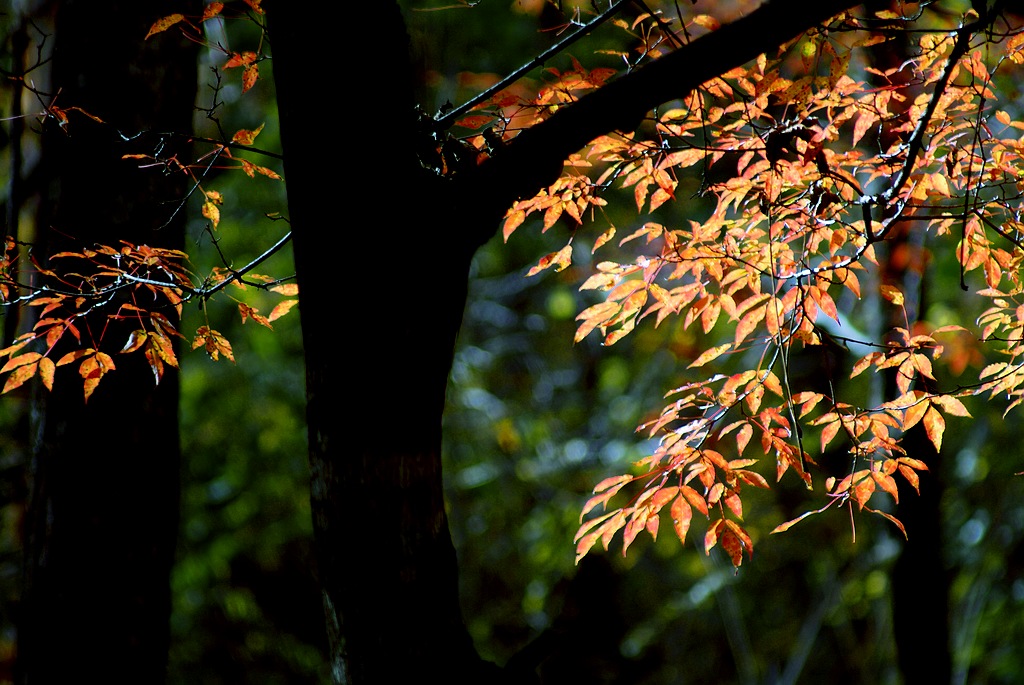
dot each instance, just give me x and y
(381, 298)
(103, 507)
(920, 583)
(382, 249)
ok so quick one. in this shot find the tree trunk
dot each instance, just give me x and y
(381, 299)
(103, 509)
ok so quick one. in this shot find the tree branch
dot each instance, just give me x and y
(447, 120)
(533, 159)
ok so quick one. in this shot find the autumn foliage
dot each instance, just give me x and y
(136, 284)
(813, 160)
(810, 159)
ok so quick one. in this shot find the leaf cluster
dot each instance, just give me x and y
(812, 168)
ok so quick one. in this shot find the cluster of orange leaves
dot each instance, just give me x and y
(797, 215)
(149, 286)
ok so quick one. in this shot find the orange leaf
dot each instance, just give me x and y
(91, 383)
(281, 309)
(162, 347)
(694, 498)
(560, 260)
(783, 527)
(733, 547)
(135, 341)
(590, 532)
(73, 356)
(911, 477)
(155, 364)
(286, 289)
(951, 405)
(711, 536)
(887, 483)
(46, 372)
(164, 23)
(212, 10)
(21, 360)
(20, 375)
(249, 77)
(681, 515)
(934, 426)
(734, 541)
(892, 294)
(247, 312)
(240, 60)
(215, 343)
(246, 137)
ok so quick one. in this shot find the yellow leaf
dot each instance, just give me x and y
(707, 21)
(892, 294)
(46, 371)
(710, 355)
(211, 212)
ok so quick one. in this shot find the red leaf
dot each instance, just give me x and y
(711, 537)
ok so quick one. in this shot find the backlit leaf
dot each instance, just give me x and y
(710, 355)
(281, 309)
(934, 426)
(681, 515)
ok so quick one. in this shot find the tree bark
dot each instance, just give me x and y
(391, 287)
(103, 510)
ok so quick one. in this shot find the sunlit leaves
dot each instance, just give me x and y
(245, 136)
(805, 173)
(213, 342)
(155, 282)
